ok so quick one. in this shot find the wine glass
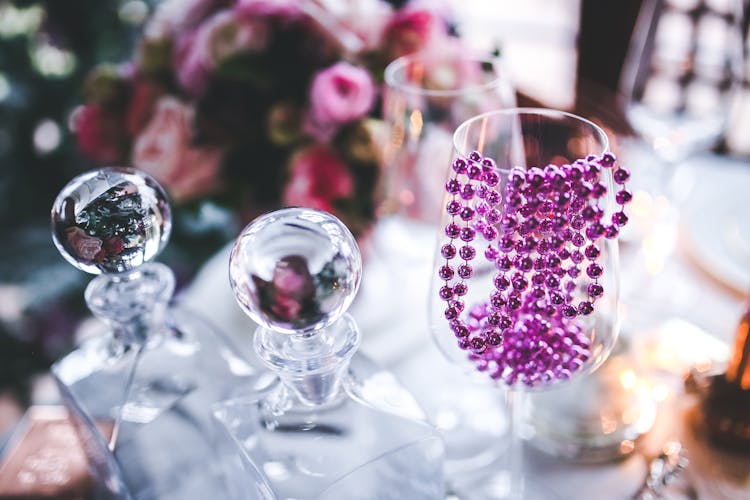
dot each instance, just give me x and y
(426, 96)
(524, 289)
(681, 74)
(679, 81)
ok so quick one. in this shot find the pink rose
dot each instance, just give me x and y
(100, 133)
(339, 94)
(318, 179)
(408, 31)
(141, 106)
(164, 150)
(218, 38)
(84, 246)
(190, 63)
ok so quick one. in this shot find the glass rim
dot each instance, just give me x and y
(389, 75)
(528, 111)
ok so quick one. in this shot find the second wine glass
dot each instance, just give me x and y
(524, 289)
(679, 80)
(426, 96)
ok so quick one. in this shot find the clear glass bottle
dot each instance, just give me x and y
(140, 396)
(328, 425)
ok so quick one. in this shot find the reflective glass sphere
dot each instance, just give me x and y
(111, 220)
(295, 270)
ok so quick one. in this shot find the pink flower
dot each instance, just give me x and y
(100, 133)
(408, 31)
(84, 246)
(220, 37)
(318, 178)
(339, 94)
(141, 106)
(293, 287)
(164, 150)
(190, 63)
(114, 246)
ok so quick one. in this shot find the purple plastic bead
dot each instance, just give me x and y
(621, 175)
(592, 252)
(452, 230)
(446, 272)
(459, 166)
(448, 251)
(467, 252)
(623, 197)
(446, 292)
(467, 192)
(594, 270)
(595, 290)
(607, 160)
(467, 234)
(453, 186)
(465, 271)
(619, 219)
(467, 213)
(453, 207)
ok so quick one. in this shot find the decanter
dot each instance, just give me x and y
(140, 395)
(326, 424)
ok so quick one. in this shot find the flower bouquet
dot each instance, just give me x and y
(257, 104)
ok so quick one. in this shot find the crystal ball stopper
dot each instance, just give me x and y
(111, 220)
(295, 270)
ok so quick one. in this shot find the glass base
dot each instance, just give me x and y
(597, 418)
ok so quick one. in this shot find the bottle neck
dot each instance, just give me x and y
(133, 303)
(311, 366)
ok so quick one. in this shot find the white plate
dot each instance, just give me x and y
(716, 220)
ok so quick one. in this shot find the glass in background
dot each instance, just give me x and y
(679, 83)
(681, 75)
(426, 97)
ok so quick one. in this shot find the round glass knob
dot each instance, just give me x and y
(111, 220)
(295, 270)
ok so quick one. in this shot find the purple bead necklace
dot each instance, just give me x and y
(540, 236)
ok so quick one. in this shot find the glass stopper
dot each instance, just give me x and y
(295, 270)
(111, 220)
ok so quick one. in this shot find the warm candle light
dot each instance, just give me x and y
(738, 371)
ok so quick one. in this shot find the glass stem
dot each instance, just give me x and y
(516, 405)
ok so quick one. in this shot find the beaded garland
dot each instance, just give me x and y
(541, 234)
